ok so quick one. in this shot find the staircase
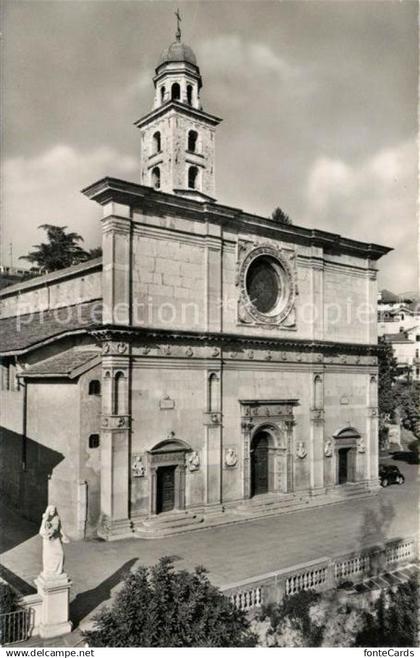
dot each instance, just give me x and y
(169, 523)
(268, 505)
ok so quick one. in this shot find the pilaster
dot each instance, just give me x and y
(116, 274)
(213, 278)
(317, 434)
(115, 440)
(213, 437)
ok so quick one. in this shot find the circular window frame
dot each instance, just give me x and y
(285, 277)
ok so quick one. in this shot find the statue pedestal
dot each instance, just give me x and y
(55, 593)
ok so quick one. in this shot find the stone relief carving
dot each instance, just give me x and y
(114, 348)
(301, 450)
(231, 458)
(137, 468)
(115, 422)
(317, 414)
(166, 402)
(328, 448)
(189, 351)
(362, 446)
(194, 461)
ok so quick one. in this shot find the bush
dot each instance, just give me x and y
(290, 623)
(393, 622)
(158, 607)
(9, 599)
(414, 446)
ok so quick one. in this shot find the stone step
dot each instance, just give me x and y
(172, 519)
(171, 524)
(270, 507)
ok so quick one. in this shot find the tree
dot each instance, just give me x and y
(61, 250)
(159, 607)
(278, 215)
(393, 622)
(407, 400)
(311, 619)
(387, 374)
(9, 599)
(96, 252)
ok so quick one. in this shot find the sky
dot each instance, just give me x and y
(318, 99)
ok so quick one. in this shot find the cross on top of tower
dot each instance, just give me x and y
(178, 25)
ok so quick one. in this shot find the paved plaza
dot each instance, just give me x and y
(230, 553)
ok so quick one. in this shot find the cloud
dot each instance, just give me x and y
(46, 189)
(232, 53)
(373, 201)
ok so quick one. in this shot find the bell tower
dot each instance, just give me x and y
(178, 136)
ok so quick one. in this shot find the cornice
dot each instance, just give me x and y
(160, 203)
(229, 340)
(181, 108)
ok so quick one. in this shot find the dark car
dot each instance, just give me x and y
(390, 474)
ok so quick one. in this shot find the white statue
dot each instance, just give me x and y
(328, 448)
(231, 458)
(53, 538)
(362, 446)
(301, 450)
(194, 461)
(138, 468)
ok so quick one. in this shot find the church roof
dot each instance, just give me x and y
(23, 332)
(177, 52)
(68, 364)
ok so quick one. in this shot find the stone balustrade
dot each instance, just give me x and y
(320, 575)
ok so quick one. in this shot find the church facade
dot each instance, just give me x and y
(212, 366)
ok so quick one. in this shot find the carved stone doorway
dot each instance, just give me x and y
(260, 463)
(346, 450)
(167, 464)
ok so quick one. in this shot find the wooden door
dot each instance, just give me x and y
(343, 466)
(165, 489)
(259, 465)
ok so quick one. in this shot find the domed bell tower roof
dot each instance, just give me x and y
(177, 52)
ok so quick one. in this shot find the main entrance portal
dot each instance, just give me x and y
(343, 474)
(259, 463)
(165, 490)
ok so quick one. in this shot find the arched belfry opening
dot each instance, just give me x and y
(156, 178)
(189, 94)
(175, 91)
(157, 142)
(192, 141)
(193, 178)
